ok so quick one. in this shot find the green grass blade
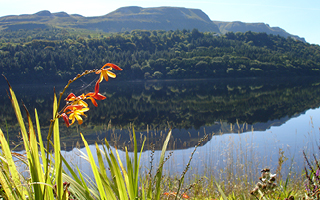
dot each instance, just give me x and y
(115, 170)
(136, 163)
(57, 150)
(41, 145)
(17, 110)
(159, 174)
(223, 195)
(114, 185)
(6, 185)
(77, 188)
(125, 178)
(143, 195)
(107, 185)
(49, 192)
(94, 169)
(131, 186)
(137, 167)
(35, 166)
(12, 168)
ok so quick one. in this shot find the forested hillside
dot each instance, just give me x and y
(51, 55)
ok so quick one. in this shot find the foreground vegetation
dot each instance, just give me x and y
(55, 54)
(50, 176)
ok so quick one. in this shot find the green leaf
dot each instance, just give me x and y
(5, 183)
(159, 174)
(49, 192)
(103, 173)
(57, 150)
(94, 169)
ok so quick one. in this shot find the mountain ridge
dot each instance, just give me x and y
(133, 18)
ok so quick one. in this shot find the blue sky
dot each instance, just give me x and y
(300, 18)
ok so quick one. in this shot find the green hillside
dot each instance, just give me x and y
(52, 55)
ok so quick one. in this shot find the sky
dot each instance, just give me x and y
(297, 17)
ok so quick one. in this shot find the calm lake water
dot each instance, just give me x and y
(250, 123)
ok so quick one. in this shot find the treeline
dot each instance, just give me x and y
(58, 54)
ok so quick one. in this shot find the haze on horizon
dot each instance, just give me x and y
(293, 16)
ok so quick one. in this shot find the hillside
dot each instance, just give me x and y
(134, 18)
(242, 27)
(59, 55)
(122, 19)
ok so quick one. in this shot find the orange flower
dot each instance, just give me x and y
(106, 73)
(75, 113)
(77, 100)
(184, 195)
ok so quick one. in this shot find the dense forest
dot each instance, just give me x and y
(51, 55)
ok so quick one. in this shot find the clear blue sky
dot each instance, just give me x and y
(300, 18)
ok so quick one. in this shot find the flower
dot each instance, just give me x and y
(76, 105)
(75, 113)
(106, 73)
(77, 100)
(184, 195)
(65, 118)
(95, 95)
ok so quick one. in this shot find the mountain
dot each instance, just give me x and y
(120, 20)
(238, 26)
(133, 17)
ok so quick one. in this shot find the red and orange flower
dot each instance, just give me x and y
(76, 105)
(106, 73)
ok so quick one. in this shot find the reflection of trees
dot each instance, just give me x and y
(194, 104)
(182, 104)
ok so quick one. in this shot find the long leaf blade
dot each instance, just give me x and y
(94, 169)
(12, 167)
(159, 174)
(57, 150)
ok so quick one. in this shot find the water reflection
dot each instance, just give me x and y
(191, 107)
(243, 154)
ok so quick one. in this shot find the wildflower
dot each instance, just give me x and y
(75, 113)
(66, 119)
(95, 95)
(106, 73)
(76, 105)
(184, 195)
(76, 100)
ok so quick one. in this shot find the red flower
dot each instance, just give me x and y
(95, 95)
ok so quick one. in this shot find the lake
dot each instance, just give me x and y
(250, 123)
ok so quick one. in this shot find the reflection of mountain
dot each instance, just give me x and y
(188, 106)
